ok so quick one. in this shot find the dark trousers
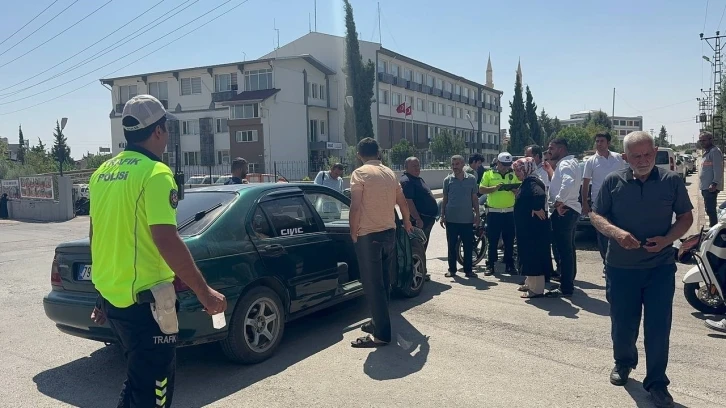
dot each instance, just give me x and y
(428, 225)
(500, 225)
(650, 291)
(376, 253)
(150, 356)
(709, 202)
(465, 232)
(563, 238)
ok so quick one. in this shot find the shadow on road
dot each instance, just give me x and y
(478, 282)
(641, 397)
(590, 304)
(555, 307)
(204, 375)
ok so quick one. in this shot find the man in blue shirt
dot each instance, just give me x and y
(332, 178)
(239, 171)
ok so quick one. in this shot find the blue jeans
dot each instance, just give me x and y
(647, 292)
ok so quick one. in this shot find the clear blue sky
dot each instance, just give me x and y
(573, 52)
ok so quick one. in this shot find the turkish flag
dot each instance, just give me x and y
(409, 111)
(401, 108)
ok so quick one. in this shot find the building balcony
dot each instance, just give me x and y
(438, 92)
(447, 95)
(223, 96)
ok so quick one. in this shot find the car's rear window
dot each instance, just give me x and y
(195, 202)
(662, 157)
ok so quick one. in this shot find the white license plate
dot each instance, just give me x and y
(84, 273)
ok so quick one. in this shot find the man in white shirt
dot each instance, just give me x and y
(332, 178)
(597, 167)
(563, 200)
(544, 170)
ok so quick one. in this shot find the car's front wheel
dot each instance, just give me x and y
(418, 253)
(256, 327)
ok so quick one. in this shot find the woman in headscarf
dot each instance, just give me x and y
(533, 230)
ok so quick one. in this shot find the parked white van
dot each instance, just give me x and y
(667, 159)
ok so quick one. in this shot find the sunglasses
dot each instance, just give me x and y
(506, 164)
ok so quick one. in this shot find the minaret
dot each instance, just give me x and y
(490, 73)
(519, 71)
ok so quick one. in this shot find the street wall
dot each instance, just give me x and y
(45, 210)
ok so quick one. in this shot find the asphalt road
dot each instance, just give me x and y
(464, 342)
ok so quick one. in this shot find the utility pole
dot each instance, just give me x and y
(613, 102)
(716, 113)
(380, 33)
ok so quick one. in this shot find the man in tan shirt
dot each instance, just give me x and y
(375, 191)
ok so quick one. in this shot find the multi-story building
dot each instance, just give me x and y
(438, 100)
(253, 109)
(622, 125)
(13, 148)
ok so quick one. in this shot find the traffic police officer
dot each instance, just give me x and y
(500, 211)
(137, 252)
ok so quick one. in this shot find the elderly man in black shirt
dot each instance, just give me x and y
(421, 202)
(634, 210)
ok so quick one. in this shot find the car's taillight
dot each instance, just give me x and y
(55, 277)
(179, 285)
(673, 165)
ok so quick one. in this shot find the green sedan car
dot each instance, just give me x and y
(276, 251)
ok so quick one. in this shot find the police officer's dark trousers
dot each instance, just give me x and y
(150, 356)
(630, 291)
(376, 253)
(500, 224)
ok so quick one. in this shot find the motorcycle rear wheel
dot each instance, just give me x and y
(691, 293)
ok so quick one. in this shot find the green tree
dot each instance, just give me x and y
(21, 148)
(546, 124)
(556, 126)
(61, 152)
(93, 161)
(4, 151)
(401, 151)
(662, 137)
(518, 130)
(446, 144)
(39, 148)
(535, 130)
(578, 139)
(360, 79)
(601, 119)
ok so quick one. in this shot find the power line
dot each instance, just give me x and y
(705, 17)
(627, 103)
(116, 60)
(132, 62)
(38, 29)
(31, 20)
(719, 21)
(55, 36)
(107, 50)
(81, 51)
(668, 106)
(390, 32)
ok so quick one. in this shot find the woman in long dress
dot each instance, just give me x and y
(532, 228)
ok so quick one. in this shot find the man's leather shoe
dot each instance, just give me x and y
(619, 375)
(661, 397)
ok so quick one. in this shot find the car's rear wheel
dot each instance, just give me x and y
(418, 254)
(256, 327)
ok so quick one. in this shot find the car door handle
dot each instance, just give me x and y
(274, 249)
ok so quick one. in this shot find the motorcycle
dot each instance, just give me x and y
(703, 284)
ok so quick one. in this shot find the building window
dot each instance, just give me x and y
(440, 110)
(395, 70)
(447, 86)
(224, 82)
(258, 79)
(244, 136)
(159, 90)
(496, 120)
(323, 95)
(430, 132)
(221, 125)
(449, 111)
(439, 83)
(395, 99)
(313, 130)
(191, 86)
(636, 123)
(430, 81)
(322, 127)
(409, 101)
(190, 127)
(168, 158)
(314, 90)
(419, 104)
(253, 168)
(466, 92)
(223, 157)
(383, 96)
(126, 92)
(623, 132)
(418, 77)
(382, 66)
(407, 74)
(246, 111)
(191, 158)
(468, 114)
(457, 90)
(630, 123)
(459, 113)
(432, 107)
(473, 95)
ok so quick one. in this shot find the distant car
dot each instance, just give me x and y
(277, 251)
(689, 162)
(202, 179)
(667, 159)
(254, 178)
